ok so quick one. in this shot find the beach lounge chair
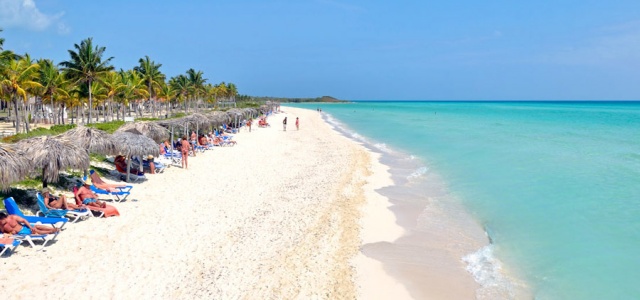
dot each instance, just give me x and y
(8, 247)
(122, 174)
(32, 238)
(73, 215)
(116, 196)
(229, 129)
(175, 157)
(13, 209)
(107, 211)
(97, 181)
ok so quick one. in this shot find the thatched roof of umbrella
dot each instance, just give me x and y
(250, 111)
(95, 140)
(135, 144)
(54, 154)
(235, 112)
(218, 118)
(13, 165)
(149, 129)
(198, 119)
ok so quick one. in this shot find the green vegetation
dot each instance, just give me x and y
(109, 127)
(54, 130)
(246, 98)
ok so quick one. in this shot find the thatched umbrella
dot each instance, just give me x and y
(199, 120)
(134, 144)
(53, 154)
(149, 129)
(217, 118)
(94, 140)
(13, 165)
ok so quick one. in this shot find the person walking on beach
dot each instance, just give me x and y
(185, 152)
(194, 141)
(297, 123)
(249, 124)
(284, 124)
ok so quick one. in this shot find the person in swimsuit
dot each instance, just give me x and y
(194, 142)
(284, 124)
(297, 123)
(13, 224)
(53, 202)
(185, 152)
(87, 197)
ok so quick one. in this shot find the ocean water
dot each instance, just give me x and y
(555, 185)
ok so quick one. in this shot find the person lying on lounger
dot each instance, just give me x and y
(99, 183)
(13, 224)
(53, 202)
(87, 197)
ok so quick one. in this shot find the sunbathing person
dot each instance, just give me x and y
(53, 202)
(87, 197)
(99, 183)
(13, 224)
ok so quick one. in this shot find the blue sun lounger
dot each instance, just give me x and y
(32, 238)
(117, 196)
(13, 209)
(7, 248)
(59, 213)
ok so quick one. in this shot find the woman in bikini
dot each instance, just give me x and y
(185, 152)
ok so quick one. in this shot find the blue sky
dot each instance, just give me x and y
(357, 50)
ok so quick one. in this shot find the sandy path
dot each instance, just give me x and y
(277, 217)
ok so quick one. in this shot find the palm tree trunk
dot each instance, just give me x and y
(17, 123)
(53, 111)
(90, 102)
(26, 118)
(61, 114)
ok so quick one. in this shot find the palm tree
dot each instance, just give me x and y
(51, 80)
(220, 90)
(152, 76)
(166, 92)
(113, 85)
(86, 65)
(18, 77)
(196, 84)
(232, 91)
(133, 87)
(181, 85)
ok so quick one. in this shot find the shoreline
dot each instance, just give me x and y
(426, 259)
(283, 214)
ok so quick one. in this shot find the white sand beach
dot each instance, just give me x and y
(282, 215)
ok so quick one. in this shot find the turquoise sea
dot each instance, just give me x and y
(555, 185)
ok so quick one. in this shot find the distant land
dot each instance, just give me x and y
(295, 100)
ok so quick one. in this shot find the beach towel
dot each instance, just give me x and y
(109, 210)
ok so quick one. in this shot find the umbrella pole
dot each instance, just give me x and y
(171, 148)
(128, 167)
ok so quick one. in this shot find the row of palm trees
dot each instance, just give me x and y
(88, 84)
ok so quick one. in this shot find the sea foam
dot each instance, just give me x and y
(487, 271)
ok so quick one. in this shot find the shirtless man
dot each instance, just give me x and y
(53, 202)
(87, 197)
(13, 224)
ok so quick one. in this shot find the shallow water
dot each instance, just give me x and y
(555, 186)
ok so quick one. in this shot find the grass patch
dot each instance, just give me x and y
(54, 130)
(109, 127)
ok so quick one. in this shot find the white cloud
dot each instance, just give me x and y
(25, 14)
